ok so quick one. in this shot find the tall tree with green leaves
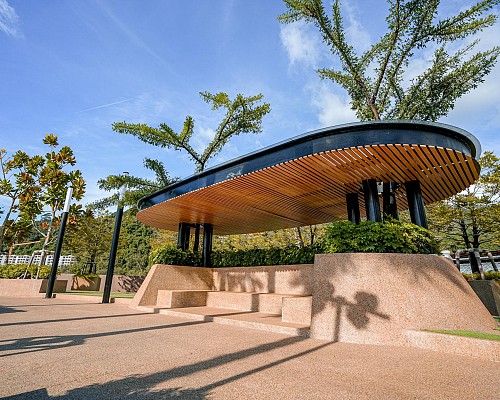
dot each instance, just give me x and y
(48, 193)
(88, 238)
(16, 182)
(242, 115)
(471, 219)
(375, 79)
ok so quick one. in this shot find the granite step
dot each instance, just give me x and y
(244, 319)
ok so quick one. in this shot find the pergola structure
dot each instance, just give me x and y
(321, 176)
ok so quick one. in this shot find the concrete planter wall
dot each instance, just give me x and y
(489, 293)
(356, 298)
(29, 287)
(120, 283)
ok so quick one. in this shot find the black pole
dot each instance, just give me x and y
(196, 244)
(183, 236)
(208, 231)
(389, 200)
(112, 255)
(416, 203)
(372, 205)
(352, 201)
(57, 255)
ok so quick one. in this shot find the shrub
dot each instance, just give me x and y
(376, 237)
(489, 275)
(263, 257)
(14, 271)
(172, 255)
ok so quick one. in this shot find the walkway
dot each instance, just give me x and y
(61, 349)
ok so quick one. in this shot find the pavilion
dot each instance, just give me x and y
(334, 173)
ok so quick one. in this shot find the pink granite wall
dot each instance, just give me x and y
(289, 279)
(28, 287)
(165, 277)
(377, 298)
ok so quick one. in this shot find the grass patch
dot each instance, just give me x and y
(92, 293)
(471, 334)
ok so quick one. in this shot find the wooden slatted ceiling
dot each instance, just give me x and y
(312, 189)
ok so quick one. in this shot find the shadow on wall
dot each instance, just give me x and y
(130, 283)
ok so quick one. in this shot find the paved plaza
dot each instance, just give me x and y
(62, 349)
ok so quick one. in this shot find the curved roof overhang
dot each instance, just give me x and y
(304, 180)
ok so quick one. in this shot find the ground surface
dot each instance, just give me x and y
(62, 349)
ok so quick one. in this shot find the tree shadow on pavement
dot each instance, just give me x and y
(145, 386)
(41, 343)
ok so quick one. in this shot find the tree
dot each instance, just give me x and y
(88, 238)
(48, 192)
(471, 219)
(374, 79)
(136, 187)
(16, 182)
(243, 115)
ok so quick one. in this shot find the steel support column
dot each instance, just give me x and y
(183, 236)
(352, 202)
(208, 232)
(416, 203)
(372, 205)
(389, 205)
(196, 243)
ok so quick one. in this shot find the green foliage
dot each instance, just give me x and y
(134, 246)
(88, 239)
(470, 219)
(271, 256)
(243, 115)
(376, 237)
(14, 271)
(136, 187)
(375, 79)
(34, 184)
(489, 275)
(171, 255)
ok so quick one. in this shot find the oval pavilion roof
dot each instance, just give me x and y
(304, 180)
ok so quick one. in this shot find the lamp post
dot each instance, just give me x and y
(114, 245)
(60, 237)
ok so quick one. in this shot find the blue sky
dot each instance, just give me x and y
(73, 67)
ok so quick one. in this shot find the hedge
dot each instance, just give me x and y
(14, 271)
(489, 275)
(377, 237)
(342, 237)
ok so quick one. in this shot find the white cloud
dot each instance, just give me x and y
(333, 109)
(9, 21)
(356, 35)
(301, 43)
(202, 137)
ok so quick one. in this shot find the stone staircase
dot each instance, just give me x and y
(276, 312)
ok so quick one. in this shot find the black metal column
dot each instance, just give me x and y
(416, 203)
(57, 255)
(196, 243)
(352, 202)
(372, 205)
(389, 205)
(183, 236)
(112, 255)
(208, 232)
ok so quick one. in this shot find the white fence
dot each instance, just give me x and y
(64, 261)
